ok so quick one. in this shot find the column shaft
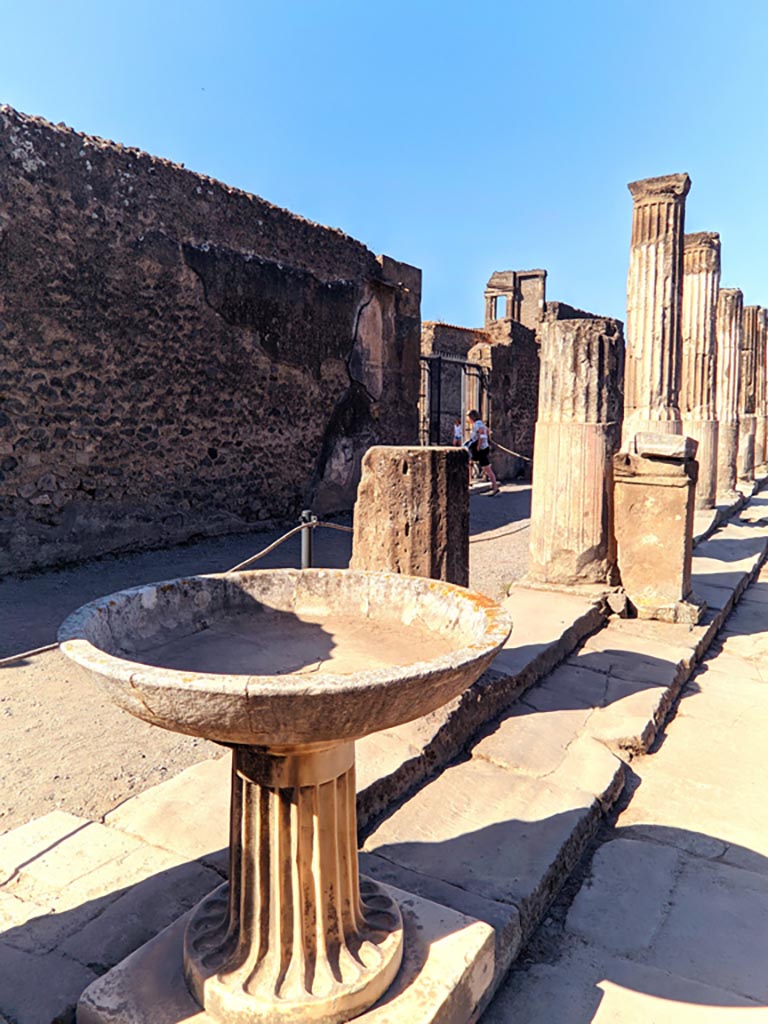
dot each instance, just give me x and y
(577, 434)
(747, 396)
(701, 283)
(761, 395)
(729, 331)
(654, 298)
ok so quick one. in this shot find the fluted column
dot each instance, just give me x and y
(295, 935)
(654, 300)
(761, 391)
(747, 397)
(729, 330)
(701, 283)
(577, 433)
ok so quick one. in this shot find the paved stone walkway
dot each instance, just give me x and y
(486, 806)
(670, 924)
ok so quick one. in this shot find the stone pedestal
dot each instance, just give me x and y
(747, 394)
(729, 328)
(654, 299)
(412, 513)
(577, 433)
(654, 498)
(294, 934)
(701, 283)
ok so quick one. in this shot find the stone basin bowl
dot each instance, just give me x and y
(284, 657)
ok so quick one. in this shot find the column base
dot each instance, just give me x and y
(448, 964)
(334, 992)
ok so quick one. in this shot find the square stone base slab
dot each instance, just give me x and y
(447, 969)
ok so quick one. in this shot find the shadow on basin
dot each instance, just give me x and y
(34, 604)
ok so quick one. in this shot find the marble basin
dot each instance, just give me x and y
(288, 668)
(285, 657)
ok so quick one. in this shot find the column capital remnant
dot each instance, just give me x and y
(672, 185)
(701, 251)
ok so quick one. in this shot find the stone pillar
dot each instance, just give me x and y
(412, 513)
(654, 527)
(729, 331)
(747, 397)
(654, 298)
(577, 433)
(701, 283)
(761, 391)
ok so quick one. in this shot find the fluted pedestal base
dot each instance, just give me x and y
(706, 433)
(293, 936)
(448, 967)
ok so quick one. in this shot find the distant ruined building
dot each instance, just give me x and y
(179, 357)
(494, 368)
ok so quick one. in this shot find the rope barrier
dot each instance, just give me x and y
(510, 452)
(28, 654)
(296, 529)
(237, 568)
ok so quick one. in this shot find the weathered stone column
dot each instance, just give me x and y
(729, 331)
(761, 391)
(701, 283)
(747, 397)
(577, 433)
(412, 513)
(654, 299)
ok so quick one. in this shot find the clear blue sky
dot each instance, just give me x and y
(461, 137)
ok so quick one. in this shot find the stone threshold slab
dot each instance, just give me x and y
(445, 977)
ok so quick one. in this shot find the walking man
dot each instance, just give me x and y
(479, 448)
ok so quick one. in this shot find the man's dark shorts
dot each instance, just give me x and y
(480, 455)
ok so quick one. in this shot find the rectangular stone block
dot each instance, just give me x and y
(654, 501)
(22, 845)
(412, 513)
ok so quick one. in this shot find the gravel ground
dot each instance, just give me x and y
(63, 745)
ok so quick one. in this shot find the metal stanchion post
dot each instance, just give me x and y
(307, 540)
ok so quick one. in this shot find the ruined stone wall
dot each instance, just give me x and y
(447, 339)
(562, 311)
(178, 357)
(513, 366)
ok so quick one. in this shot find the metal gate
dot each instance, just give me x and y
(450, 387)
